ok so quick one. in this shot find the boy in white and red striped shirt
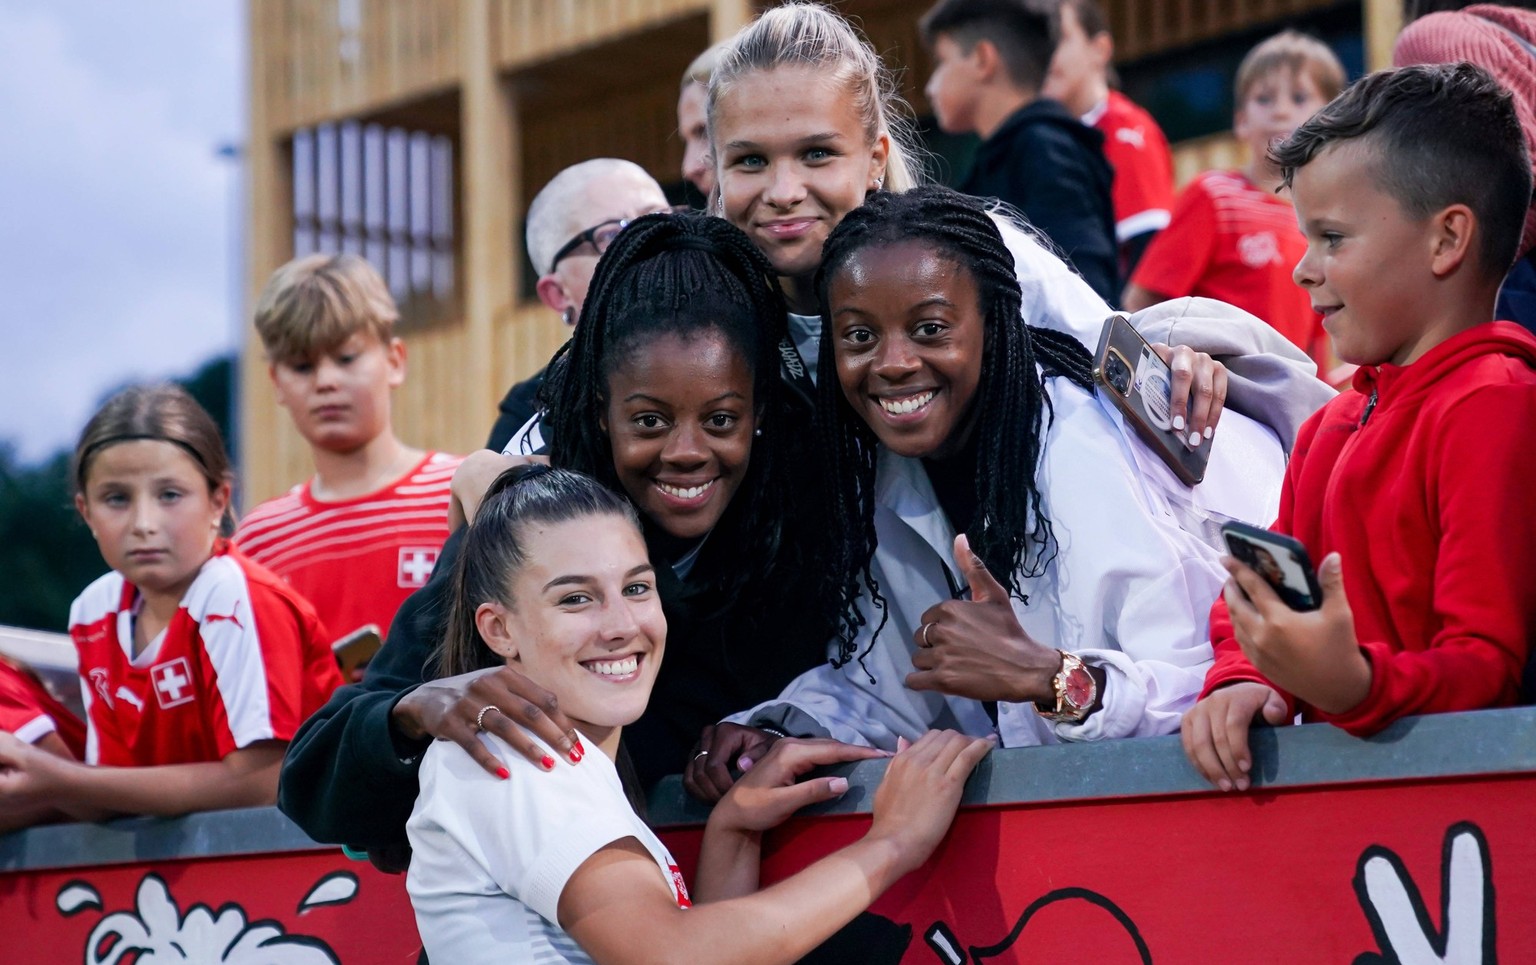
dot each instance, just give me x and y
(364, 532)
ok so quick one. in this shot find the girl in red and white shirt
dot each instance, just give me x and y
(196, 665)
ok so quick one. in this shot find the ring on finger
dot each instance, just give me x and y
(924, 634)
(480, 717)
(701, 754)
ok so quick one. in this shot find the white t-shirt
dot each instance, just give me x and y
(491, 857)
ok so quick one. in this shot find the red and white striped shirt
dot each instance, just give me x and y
(244, 659)
(358, 559)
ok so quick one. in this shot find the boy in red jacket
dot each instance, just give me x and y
(1413, 489)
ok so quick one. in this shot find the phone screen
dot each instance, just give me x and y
(1290, 576)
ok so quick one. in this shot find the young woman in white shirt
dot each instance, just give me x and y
(555, 865)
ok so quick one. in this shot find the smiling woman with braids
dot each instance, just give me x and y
(669, 391)
(959, 445)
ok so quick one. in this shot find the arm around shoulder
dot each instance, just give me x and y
(350, 775)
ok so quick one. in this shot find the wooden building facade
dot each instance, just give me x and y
(416, 131)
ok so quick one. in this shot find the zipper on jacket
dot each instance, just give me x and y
(1370, 406)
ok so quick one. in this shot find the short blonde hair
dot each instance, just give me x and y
(313, 304)
(1293, 51)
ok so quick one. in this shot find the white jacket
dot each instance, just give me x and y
(1130, 587)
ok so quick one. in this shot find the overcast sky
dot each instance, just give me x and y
(116, 239)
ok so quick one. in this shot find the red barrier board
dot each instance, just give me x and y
(294, 908)
(1308, 875)
(1417, 871)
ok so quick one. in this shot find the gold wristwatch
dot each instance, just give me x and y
(1076, 692)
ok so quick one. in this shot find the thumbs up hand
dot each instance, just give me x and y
(976, 648)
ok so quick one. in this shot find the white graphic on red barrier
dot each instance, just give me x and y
(156, 933)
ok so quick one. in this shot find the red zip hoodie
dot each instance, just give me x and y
(1422, 479)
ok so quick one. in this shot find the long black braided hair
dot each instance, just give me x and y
(686, 275)
(1010, 531)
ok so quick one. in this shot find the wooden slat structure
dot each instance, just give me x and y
(521, 89)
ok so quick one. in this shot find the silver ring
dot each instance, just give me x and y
(480, 717)
(924, 632)
(701, 754)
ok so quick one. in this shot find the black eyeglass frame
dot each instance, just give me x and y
(589, 236)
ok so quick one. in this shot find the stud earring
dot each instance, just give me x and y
(879, 182)
(757, 432)
(568, 316)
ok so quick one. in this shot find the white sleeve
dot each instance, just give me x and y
(219, 602)
(1055, 296)
(529, 832)
(1133, 591)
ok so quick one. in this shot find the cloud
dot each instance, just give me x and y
(115, 244)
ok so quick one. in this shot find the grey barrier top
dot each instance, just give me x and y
(1484, 742)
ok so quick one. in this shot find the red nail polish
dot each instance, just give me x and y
(503, 773)
(548, 762)
(577, 751)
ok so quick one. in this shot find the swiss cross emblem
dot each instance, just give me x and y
(173, 683)
(416, 564)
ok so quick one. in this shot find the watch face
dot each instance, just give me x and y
(1079, 688)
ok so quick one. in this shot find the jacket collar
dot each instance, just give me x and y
(1392, 382)
(902, 488)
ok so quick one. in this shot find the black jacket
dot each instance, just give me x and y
(1050, 166)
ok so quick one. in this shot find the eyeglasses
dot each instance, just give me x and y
(600, 236)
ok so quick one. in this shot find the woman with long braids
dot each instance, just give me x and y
(806, 123)
(999, 549)
(669, 392)
(807, 127)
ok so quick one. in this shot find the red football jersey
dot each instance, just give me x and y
(1230, 241)
(1138, 151)
(29, 711)
(244, 659)
(355, 560)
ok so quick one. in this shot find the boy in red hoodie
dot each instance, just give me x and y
(1413, 489)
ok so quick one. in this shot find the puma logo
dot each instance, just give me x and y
(230, 617)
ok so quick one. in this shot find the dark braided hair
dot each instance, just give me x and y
(685, 275)
(1010, 533)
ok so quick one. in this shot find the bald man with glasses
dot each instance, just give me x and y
(571, 221)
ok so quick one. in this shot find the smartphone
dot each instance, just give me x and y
(1140, 384)
(355, 649)
(1281, 560)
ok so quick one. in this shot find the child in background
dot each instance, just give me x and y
(196, 666)
(365, 532)
(1134, 145)
(1231, 238)
(1414, 489)
(30, 712)
(990, 59)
